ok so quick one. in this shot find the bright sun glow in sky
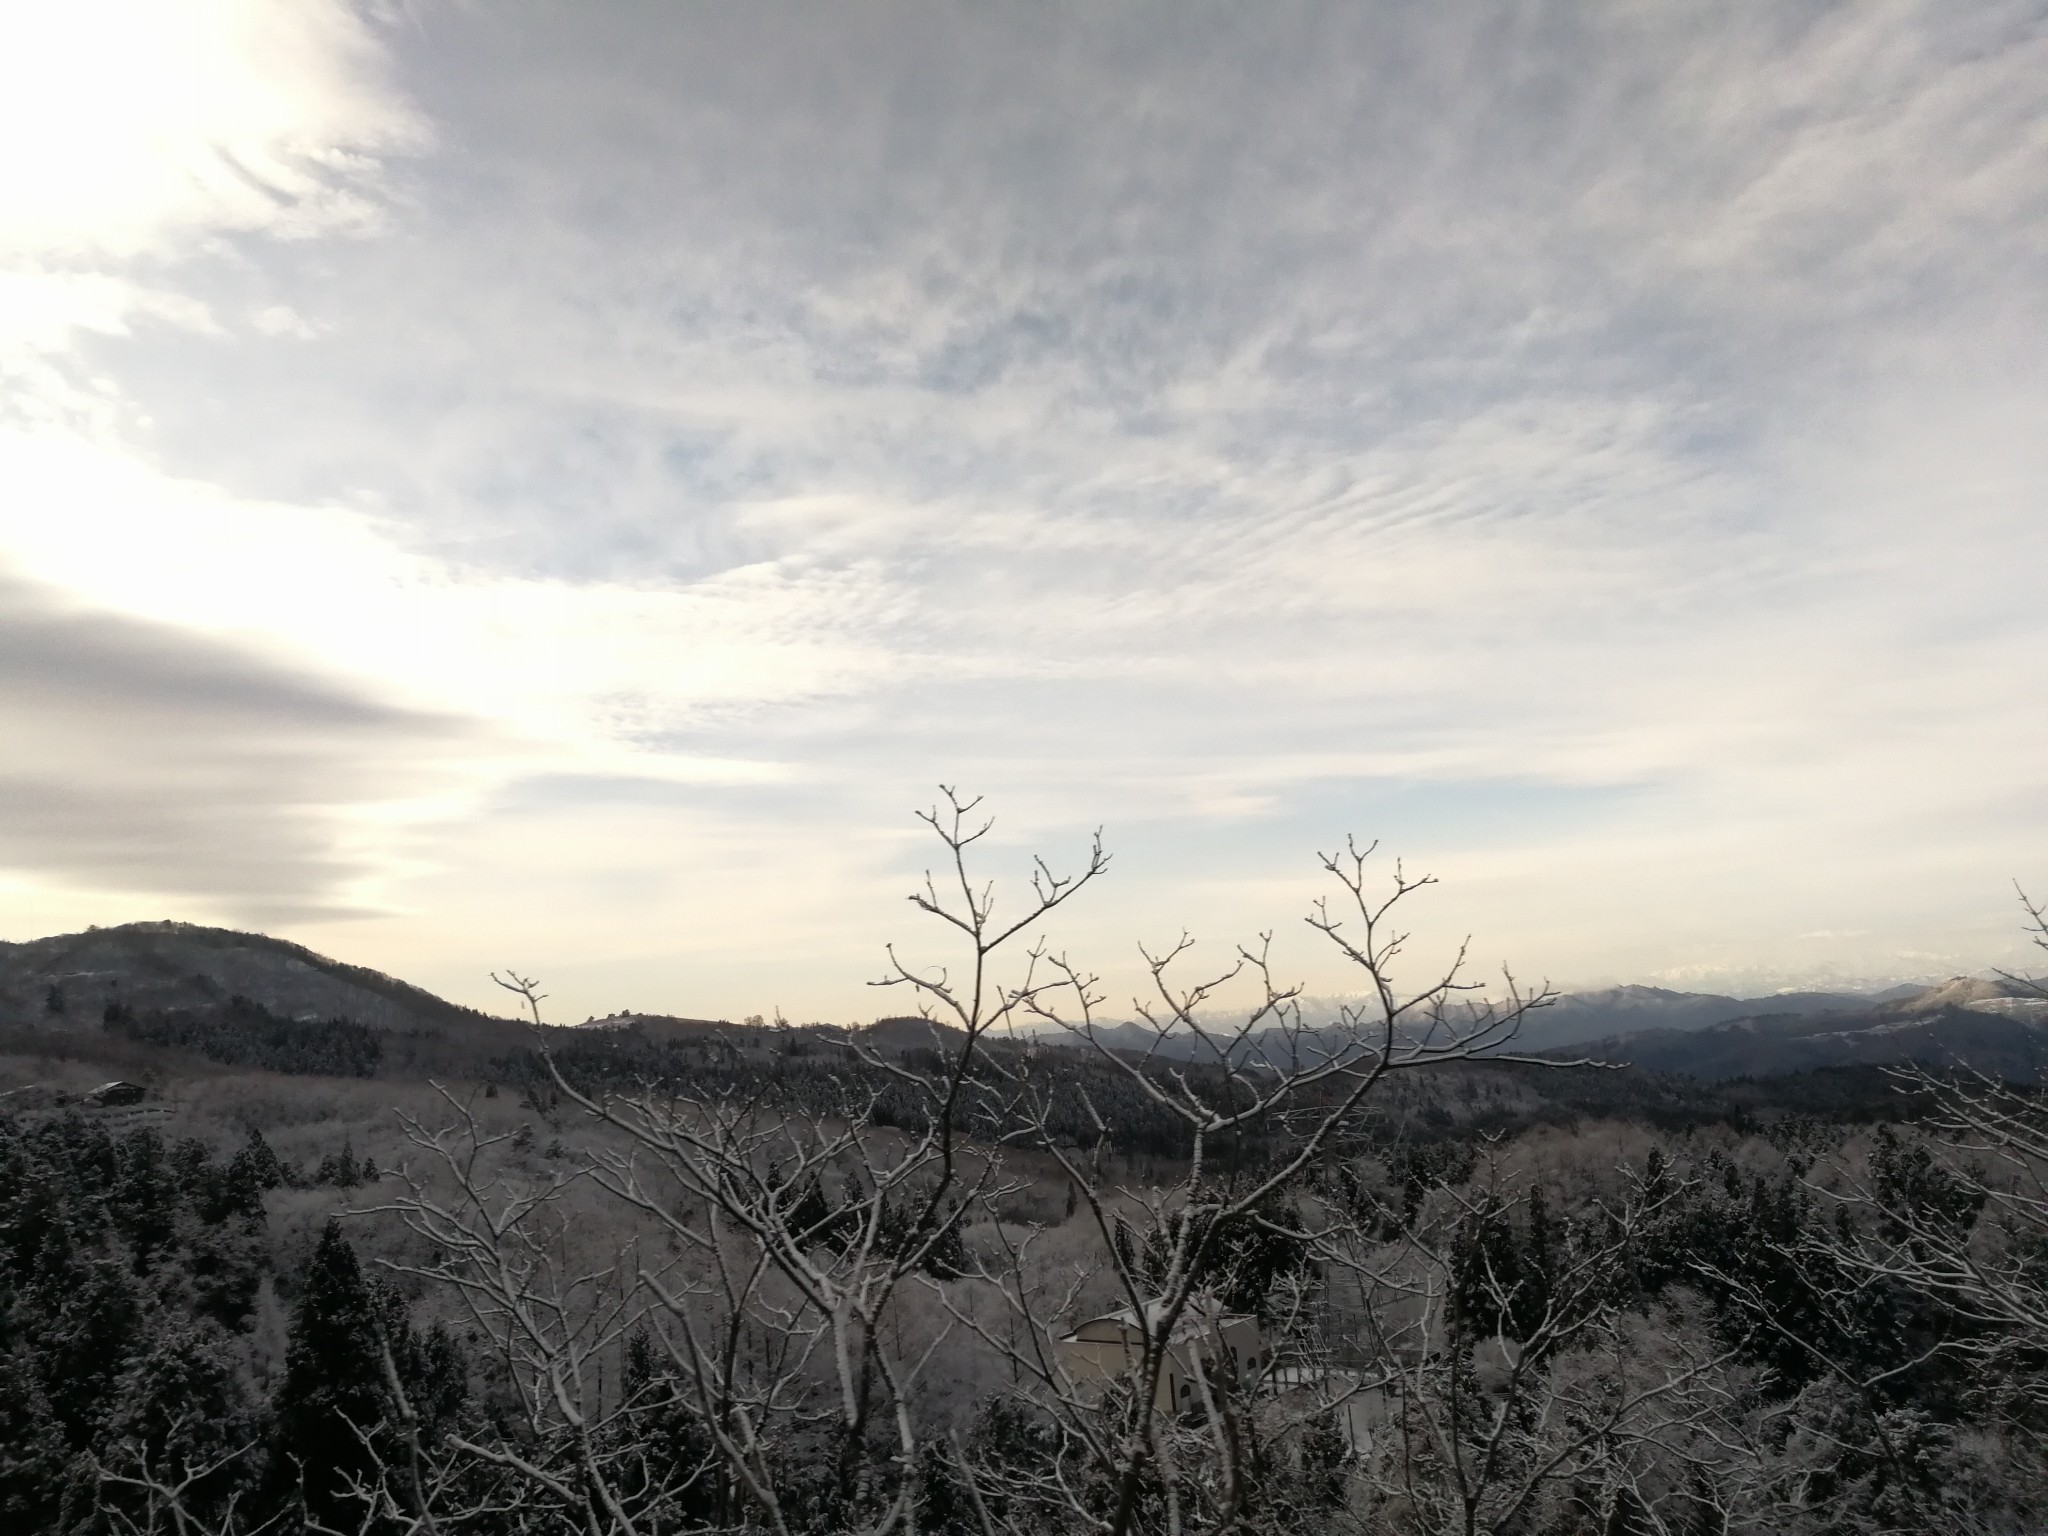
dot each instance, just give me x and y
(560, 484)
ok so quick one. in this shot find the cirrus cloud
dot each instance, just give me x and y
(1595, 447)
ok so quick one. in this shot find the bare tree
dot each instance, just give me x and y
(141, 1496)
(1183, 1431)
(1515, 1380)
(838, 1316)
(770, 1293)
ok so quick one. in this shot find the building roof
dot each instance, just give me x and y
(1200, 1312)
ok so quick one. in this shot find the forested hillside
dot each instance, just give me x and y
(69, 981)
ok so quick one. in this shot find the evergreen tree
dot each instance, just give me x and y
(339, 1168)
(121, 1276)
(258, 1164)
(1239, 1259)
(333, 1394)
(1656, 1178)
(1539, 1266)
(1487, 1274)
(674, 1474)
(179, 1407)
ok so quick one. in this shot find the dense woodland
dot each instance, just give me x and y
(245, 1033)
(133, 1268)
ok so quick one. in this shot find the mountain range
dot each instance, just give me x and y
(68, 983)
(1996, 1027)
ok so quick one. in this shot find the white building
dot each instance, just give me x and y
(1110, 1348)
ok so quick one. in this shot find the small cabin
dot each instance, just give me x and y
(1206, 1342)
(108, 1095)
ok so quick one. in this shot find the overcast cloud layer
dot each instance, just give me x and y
(559, 483)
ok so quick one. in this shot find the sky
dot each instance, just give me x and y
(560, 485)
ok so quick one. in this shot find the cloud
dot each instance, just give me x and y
(144, 758)
(140, 132)
(142, 124)
(1611, 431)
(284, 321)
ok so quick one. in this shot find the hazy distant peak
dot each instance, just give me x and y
(1637, 993)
